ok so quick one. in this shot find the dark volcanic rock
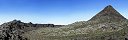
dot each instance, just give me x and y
(12, 30)
(44, 25)
(47, 25)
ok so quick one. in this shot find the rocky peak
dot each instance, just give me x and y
(108, 14)
(109, 8)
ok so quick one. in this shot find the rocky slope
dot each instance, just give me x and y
(14, 29)
(106, 25)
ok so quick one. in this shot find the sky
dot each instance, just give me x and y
(60, 12)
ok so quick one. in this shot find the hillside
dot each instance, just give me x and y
(106, 25)
(14, 29)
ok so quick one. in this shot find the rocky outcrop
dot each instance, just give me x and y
(13, 30)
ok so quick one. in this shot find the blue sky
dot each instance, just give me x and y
(56, 11)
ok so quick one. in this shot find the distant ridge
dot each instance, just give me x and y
(108, 14)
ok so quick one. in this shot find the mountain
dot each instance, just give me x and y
(106, 25)
(108, 14)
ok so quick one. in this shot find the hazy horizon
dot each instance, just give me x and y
(56, 11)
